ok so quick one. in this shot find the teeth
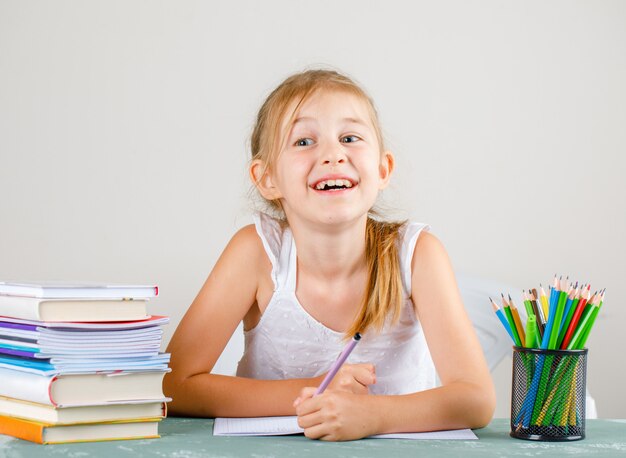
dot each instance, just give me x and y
(333, 183)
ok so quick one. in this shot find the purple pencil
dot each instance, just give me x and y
(335, 368)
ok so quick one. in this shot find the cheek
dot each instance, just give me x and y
(293, 171)
(368, 165)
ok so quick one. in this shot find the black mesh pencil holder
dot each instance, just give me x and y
(548, 394)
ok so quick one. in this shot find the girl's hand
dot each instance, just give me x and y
(353, 378)
(338, 413)
(335, 415)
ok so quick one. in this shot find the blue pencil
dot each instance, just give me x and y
(568, 305)
(502, 318)
(554, 299)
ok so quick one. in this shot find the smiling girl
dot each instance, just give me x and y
(325, 268)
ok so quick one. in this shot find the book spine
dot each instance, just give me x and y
(26, 386)
(25, 308)
(22, 429)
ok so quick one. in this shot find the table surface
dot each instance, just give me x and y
(192, 437)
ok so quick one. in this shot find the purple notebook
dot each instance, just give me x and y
(22, 353)
(23, 327)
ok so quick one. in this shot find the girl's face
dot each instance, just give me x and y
(330, 167)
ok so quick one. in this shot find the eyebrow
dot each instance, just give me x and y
(349, 120)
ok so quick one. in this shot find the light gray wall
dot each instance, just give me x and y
(123, 130)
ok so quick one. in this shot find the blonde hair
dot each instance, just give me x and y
(383, 295)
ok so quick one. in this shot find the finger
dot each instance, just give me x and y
(305, 393)
(352, 386)
(329, 438)
(310, 419)
(366, 374)
(356, 378)
(309, 405)
(308, 392)
(319, 431)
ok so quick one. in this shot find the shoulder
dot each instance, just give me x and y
(243, 258)
(245, 249)
(428, 244)
(429, 256)
(247, 234)
(246, 241)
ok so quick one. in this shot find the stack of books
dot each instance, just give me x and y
(80, 363)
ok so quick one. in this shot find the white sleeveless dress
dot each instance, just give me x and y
(289, 343)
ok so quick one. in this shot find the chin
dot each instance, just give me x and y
(338, 218)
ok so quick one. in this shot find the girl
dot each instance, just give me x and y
(305, 283)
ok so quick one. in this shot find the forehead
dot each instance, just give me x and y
(325, 104)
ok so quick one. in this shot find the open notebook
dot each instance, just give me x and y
(277, 426)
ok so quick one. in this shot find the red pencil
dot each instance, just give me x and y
(577, 314)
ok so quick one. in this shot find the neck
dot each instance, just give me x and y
(330, 252)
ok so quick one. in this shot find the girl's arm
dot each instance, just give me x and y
(466, 398)
(227, 296)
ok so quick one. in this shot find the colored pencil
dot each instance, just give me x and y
(585, 335)
(541, 318)
(582, 324)
(573, 291)
(544, 303)
(502, 318)
(561, 298)
(580, 307)
(518, 322)
(509, 317)
(570, 309)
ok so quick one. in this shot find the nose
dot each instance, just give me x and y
(333, 155)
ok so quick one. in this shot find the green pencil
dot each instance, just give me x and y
(585, 335)
(527, 305)
(511, 320)
(580, 328)
(566, 321)
(558, 316)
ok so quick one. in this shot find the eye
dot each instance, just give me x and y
(350, 139)
(303, 142)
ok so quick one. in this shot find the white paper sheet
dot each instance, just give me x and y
(278, 426)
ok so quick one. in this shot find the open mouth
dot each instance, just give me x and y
(333, 185)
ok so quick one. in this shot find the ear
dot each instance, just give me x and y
(262, 179)
(385, 169)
